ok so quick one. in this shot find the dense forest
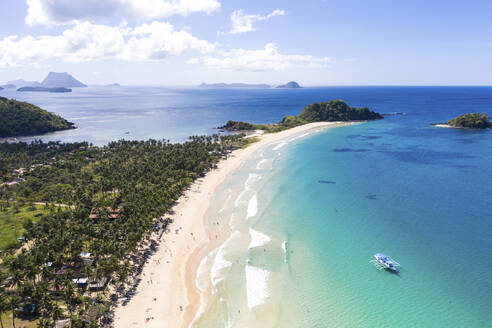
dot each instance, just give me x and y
(332, 111)
(22, 119)
(471, 121)
(94, 210)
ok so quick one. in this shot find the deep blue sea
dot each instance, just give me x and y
(420, 193)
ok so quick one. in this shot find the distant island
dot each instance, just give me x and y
(332, 111)
(234, 85)
(23, 83)
(61, 80)
(468, 121)
(290, 85)
(7, 86)
(22, 119)
(1, 88)
(44, 89)
(52, 80)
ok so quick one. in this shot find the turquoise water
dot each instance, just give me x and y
(336, 197)
(425, 201)
(419, 193)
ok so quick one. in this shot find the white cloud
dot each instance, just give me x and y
(267, 59)
(87, 42)
(242, 22)
(56, 12)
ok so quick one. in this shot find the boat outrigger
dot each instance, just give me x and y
(383, 261)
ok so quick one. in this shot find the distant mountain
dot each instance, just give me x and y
(61, 80)
(44, 89)
(234, 85)
(23, 83)
(290, 85)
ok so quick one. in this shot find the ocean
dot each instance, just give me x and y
(306, 215)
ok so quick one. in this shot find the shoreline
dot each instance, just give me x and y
(447, 126)
(167, 295)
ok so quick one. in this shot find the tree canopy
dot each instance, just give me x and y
(336, 110)
(19, 118)
(332, 111)
(106, 201)
(471, 121)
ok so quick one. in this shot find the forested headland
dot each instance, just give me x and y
(89, 215)
(18, 118)
(471, 121)
(332, 111)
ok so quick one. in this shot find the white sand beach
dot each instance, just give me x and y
(167, 295)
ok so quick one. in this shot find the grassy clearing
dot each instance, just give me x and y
(250, 141)
(19, 323)
(12, 219)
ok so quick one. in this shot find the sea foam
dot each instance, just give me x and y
(252, 207)
(258, 238)
(260, 163)
(280, 145)
(284, 248)
(252, 178)
(256, 285)
(299, 137)
(203, 274)
(221, 265)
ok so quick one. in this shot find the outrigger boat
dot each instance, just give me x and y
(383, 261)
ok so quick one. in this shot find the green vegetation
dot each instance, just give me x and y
(113, 197)
(337, 110)
(240, 126)
(21, 119)
(471, 121)
(13, 218)
(332, 111)
(250, 141)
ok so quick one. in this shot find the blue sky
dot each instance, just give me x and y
(186, 42)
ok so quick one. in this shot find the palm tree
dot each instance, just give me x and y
(13, 302)
(4, 306)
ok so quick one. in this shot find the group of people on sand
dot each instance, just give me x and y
(138, 265)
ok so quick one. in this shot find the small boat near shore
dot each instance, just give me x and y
(383, 261)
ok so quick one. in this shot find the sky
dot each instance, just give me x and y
(187, 42)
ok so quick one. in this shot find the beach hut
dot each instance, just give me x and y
(112, 213)
(80, 282)
(86, 258)
(97, 285)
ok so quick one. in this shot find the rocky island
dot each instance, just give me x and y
(468, 121)
(44, 89)
(332, 111)
(290, 85)
(19, 118)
